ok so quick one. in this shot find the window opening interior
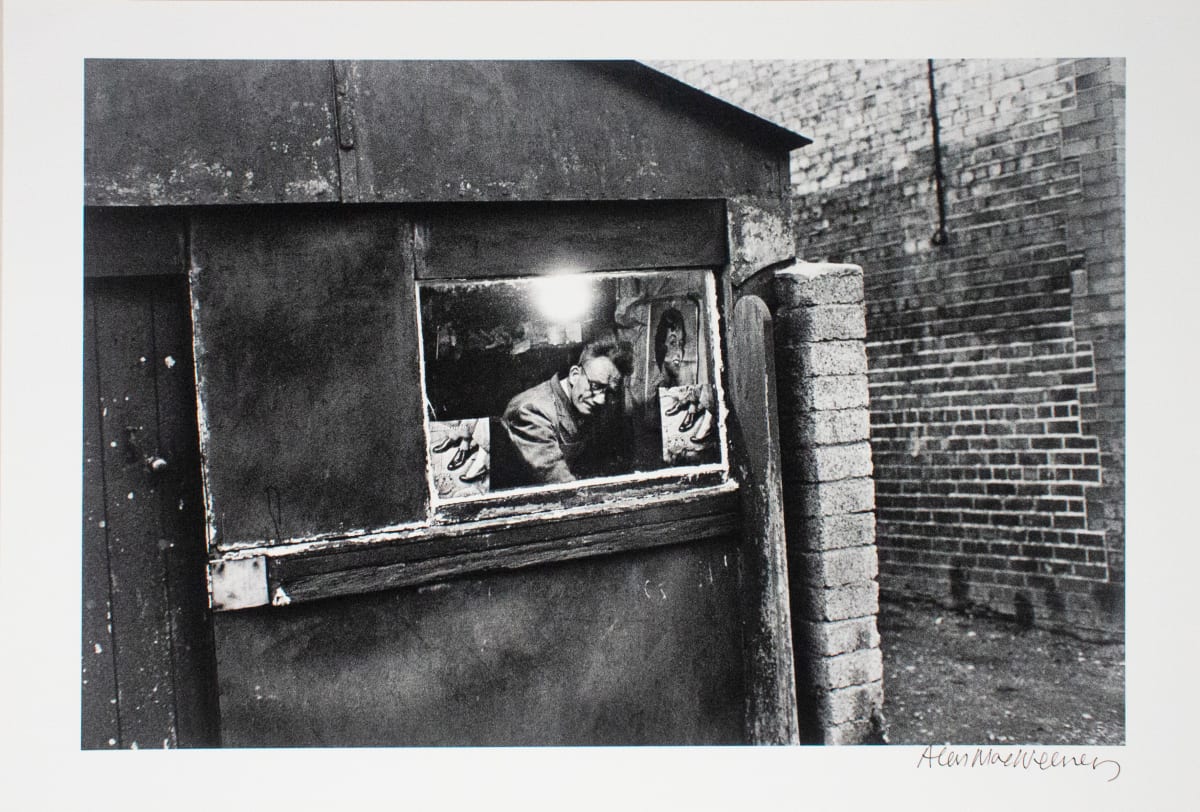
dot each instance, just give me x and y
(548, 381)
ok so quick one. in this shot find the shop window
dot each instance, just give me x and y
(554, 380)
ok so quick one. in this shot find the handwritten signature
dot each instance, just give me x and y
(1019, 759)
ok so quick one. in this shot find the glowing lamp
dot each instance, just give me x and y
(562, 297)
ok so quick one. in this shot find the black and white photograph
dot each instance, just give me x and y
(615, 405)
(925, 451)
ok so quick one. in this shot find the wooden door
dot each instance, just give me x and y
(147, 659)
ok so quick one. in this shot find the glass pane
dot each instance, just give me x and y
(555, 379)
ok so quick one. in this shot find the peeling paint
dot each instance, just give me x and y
(761, 235)
(646, 590)
(169, 361)
(205, 440)
(97, 648)
(280, 598)
(311, 188)
(530, 515)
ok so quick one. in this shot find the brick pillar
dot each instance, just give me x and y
(829, 501)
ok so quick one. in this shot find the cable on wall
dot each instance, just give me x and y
(940, 235)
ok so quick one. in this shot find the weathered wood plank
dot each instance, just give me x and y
(181, 519)
(346, 80)
(411, 573)
(469, 537)
(771, 681)
(99, 719)
(306, 346)
(643, 647)
(760, 234)
(463, 131)
(584, 496)
(489, 241)
(140, 618)
(184, 132)
(133, 242)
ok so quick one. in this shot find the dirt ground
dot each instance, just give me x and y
(963, 679)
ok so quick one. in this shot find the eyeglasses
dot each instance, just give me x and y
(598, 387)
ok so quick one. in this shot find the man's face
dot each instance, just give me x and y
(593, 385)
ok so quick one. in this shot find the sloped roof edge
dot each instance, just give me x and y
(671, 90)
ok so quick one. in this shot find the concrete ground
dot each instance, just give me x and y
(963, 679)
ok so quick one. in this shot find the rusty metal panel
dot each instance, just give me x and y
(489, 240)
(532, 130)
(306, 353)
(635, 648)
(163, 132)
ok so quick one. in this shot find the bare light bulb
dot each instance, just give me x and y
(563, 297)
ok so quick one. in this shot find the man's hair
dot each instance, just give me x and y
(671, 319)
(619, 352)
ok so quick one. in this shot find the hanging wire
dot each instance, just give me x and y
(940, 235)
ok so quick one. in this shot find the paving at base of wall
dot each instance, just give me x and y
(981, 679)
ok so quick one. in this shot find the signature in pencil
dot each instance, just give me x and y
(1020, 758)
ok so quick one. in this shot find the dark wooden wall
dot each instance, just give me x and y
(658, 645)
(148, 670)
(184, 132)
(637, 648)
(306, 337)
(648, 646)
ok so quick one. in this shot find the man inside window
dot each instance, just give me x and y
(563, 429)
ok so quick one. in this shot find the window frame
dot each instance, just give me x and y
(538, 524)
(599, 490)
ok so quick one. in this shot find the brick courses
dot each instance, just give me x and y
(996, 360)
(829, 499)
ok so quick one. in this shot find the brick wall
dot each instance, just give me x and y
(996, 356)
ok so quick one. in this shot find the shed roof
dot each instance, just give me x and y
(670, 90)
(201, 132)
